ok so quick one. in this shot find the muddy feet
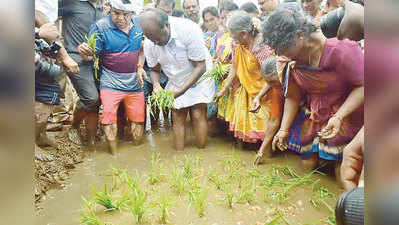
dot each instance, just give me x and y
(74, 136)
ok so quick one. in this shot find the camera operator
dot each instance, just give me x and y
(47, 89)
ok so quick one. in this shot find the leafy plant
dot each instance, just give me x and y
(187, 171)
(217, 179)
(197, 197)
(156, 168)
(89, 218)
(178, 180)
(138, 204)
(92, 42)
(164, 204)
(248, 193)
(162, 100)
(229, 196)
(218, 72)
(104, 198)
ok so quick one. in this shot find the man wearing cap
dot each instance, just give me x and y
(176, 46)
(119, 48)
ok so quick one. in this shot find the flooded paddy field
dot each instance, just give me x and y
(218, 185)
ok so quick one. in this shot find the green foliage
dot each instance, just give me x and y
(197, 197)
(104, 198)
(138, 204)
(162, 100)
(164, 204)
(218, 72)
(155, 174)
(178, 180)
(92, 42)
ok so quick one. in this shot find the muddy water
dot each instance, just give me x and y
(62, 206)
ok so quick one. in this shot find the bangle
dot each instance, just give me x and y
(286, 131)
(139, 66)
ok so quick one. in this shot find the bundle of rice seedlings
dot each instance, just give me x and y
(218, 72)
(92, 42)
(162, 100)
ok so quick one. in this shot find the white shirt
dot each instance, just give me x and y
(186, 43)
(48, 8)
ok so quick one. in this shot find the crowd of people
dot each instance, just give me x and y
(288, 86)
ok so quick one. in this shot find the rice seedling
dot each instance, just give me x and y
(162, 100)
(89, 218)
(178, 180)
(247, 194)
(155, 174)
(217, 179)
(92, 42)
(229, 196)
(197, 197)
(187, 170)
(319, 197)
(131, 181)
(233, 162)
(138, 204)
(164, 204)
(104, 198)
(218, 72)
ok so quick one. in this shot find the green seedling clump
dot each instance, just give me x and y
(138, 204)
(155, 174)
(178, 180)
(197, 197)
(164, 204)
(104, 198)
(218, 72)
(92, 42)
(162, 100)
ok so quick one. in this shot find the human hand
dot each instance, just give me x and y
(177, 93)
(280, 140)
(71, 66)
(140, 74)
(352, 162)
(331, 130)
(49, 32)
(255, 105)
(85, 50)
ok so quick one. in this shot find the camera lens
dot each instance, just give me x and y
(350, 208)
(331, 21)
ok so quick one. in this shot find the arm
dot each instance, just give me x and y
(229, 81)
(140, 70)
(258, 97)
(155, 74)
(352, 162)
(291, 107)
(199, 69)
(352, 102)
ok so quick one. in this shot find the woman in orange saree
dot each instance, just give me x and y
(253, 117)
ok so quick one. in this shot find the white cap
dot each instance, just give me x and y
(125, 5)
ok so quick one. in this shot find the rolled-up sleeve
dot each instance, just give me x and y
(196, 48)
(150, 54)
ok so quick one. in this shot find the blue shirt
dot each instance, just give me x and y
(118, 53)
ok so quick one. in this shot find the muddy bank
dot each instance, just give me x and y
(54, 174)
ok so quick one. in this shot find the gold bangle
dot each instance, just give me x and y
(286, 131)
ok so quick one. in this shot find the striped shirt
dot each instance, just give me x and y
(119, 54)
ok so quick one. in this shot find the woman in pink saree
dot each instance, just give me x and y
(327, 75)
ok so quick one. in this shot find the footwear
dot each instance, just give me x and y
(74, 136)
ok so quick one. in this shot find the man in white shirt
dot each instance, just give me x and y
(176, 46)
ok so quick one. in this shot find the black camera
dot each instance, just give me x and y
(331, 21)
(43, 67)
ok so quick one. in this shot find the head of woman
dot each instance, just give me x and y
(269, 72)
(226, 8)
(241, 27)
(211, 18)
(287, 32)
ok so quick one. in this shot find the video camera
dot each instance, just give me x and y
(43, 67)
